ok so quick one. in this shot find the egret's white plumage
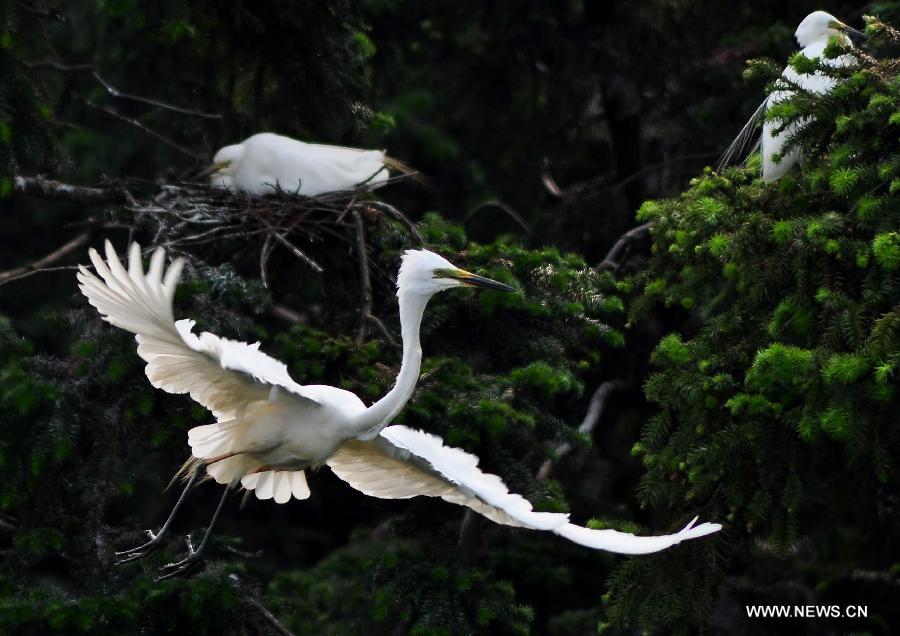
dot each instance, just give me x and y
(265, 161)
(812, 35)
(269, 429)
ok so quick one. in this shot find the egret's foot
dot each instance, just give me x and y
(139, 552)
(188, 564)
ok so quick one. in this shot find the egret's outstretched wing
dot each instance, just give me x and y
(746, 141)
(401, 463)
(222, 375)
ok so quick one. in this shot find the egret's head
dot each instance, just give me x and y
(425, 273)
(225, 161)
(819, 25)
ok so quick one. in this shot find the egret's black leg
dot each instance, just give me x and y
(195, 556)
(156, 539)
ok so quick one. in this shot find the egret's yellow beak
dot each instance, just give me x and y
(472, 280)
(215, 168)
(850, 31)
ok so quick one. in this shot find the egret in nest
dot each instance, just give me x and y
(266, 162)
(813, 34)
(269, 430)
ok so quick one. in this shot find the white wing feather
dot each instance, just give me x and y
(401, 463)
(223, 375)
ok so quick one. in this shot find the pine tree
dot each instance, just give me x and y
(777, 400)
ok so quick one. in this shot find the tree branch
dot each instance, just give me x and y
(58, 66)
(47, 188)
(593, 415)
(51, 258)
(365, 283)
(500, 205)
(141, 127)
(269, 617)
(114, 92)
(390, 210)
(469, 531)
(613, 259)
(297, 251)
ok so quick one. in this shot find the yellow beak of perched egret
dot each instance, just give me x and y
(852, 33)
(472, 280)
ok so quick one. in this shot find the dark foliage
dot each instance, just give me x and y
(756, 343)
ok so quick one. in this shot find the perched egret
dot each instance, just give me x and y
(812, 35)
(265, 161)
(270, 429)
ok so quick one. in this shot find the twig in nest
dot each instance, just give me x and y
(264, 255)
(298, 252)
(384, 208)
(593, 415)
(183, 215)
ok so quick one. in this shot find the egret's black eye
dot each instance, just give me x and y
(437, 273)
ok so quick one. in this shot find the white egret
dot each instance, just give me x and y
(270, 429)
(266, 161)
(812, 35)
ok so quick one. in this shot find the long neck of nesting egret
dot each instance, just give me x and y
(376, 417)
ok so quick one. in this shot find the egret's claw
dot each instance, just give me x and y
(187, 564)
(139, 552)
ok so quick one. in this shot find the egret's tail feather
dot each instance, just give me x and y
(746, 142)
(404, 169)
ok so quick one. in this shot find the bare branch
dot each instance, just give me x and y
(141, 127)
(186, 215)
(365, 280)
(41, 13)
(614, 258)
(298, 252)
(269, 617)
(593, 415)
(47, 188)
(365, 284)
(51, 258)
(264, 255)
(469, 531)
(59, 66)
(114, 92)
(662, 164)
(390, 210)
(500, 205)
(288, 315)
(599, 186)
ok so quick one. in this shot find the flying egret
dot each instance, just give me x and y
(812, 35)
(269, 429)
(266, 161)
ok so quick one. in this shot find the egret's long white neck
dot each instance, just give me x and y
(368, 424)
